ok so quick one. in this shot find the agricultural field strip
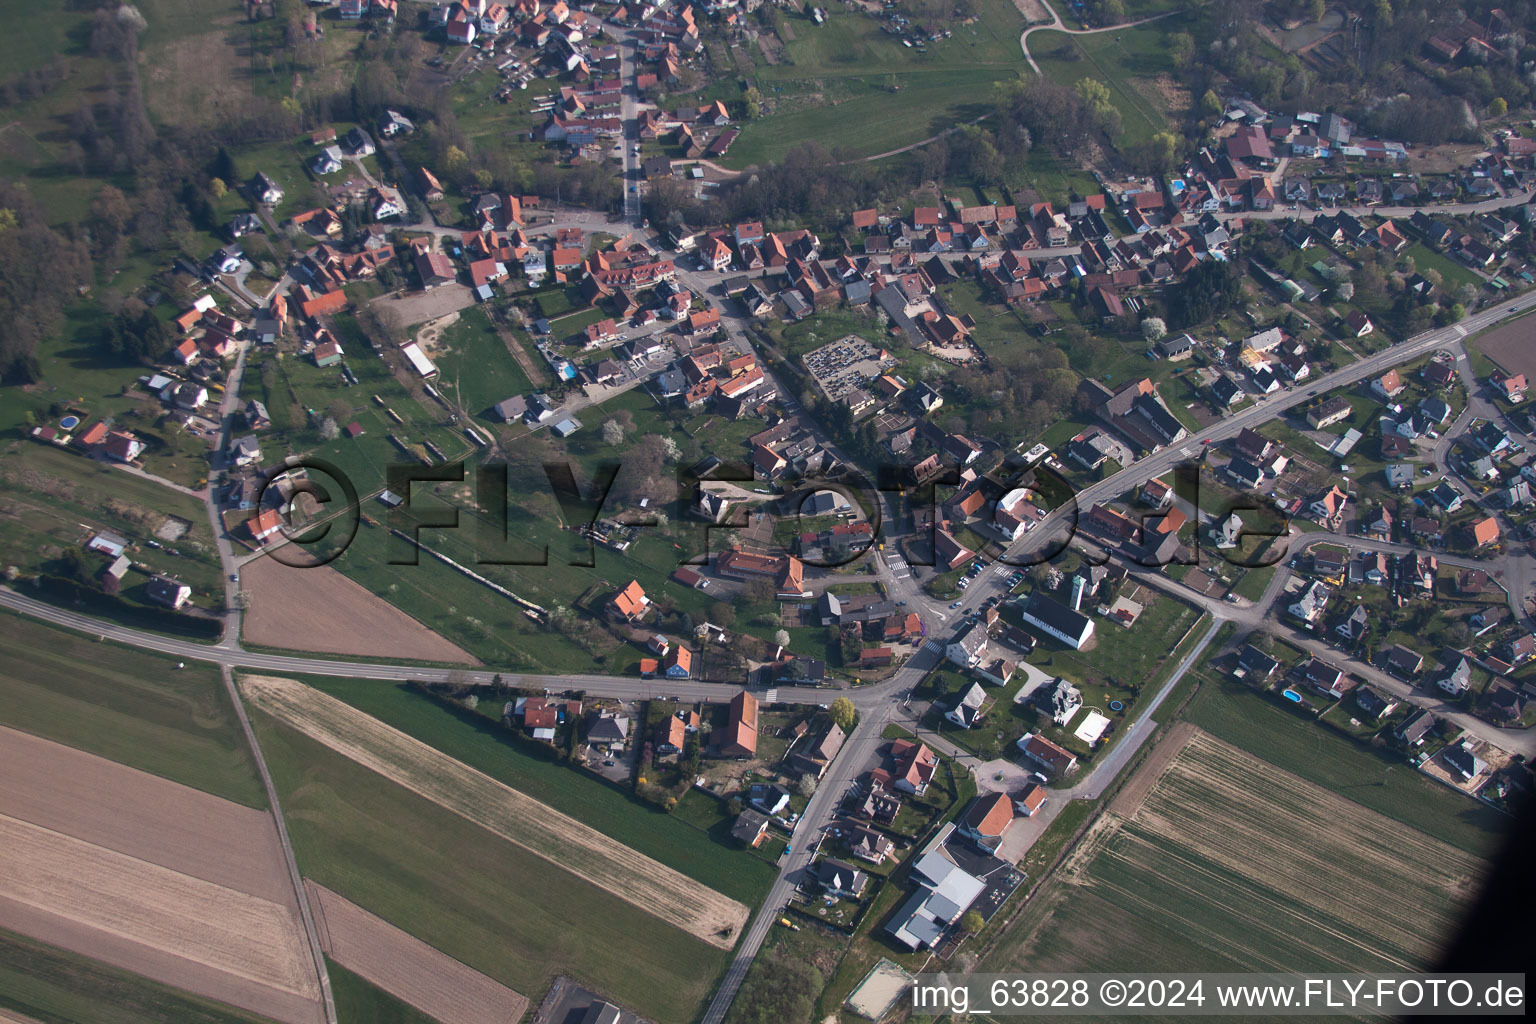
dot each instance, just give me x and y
(1213, 814)
(168, 911)
(475, 796)
(143, 816)
(407, 968)
(297, 609)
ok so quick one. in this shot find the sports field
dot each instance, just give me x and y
(488, 903)
(1229, 863)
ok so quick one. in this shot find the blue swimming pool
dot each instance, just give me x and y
(1291, 695)
(69, 422)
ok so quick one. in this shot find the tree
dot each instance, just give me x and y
(972, 922)
(110, 214)
(613, 432)
(329, 431)
(1181, 49)
(217, 188)
(722, 614)
(781, 638)
(1499, 107)
(1153, 328)
(1345, 291)
(807, 785)
(779, 988)
(844, 713)
(669, 449)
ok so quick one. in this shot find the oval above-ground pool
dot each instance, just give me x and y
(1291, 695)
(70, 422)
(1116, 705)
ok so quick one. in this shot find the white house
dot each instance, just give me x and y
(967, 710)
(1309, 606)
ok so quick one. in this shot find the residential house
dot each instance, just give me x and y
(986, 820)
(1051, 756)
(739, 737)
(968, 709)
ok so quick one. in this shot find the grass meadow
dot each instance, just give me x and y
(126, 705)
(1377, 780)
(359, 1001)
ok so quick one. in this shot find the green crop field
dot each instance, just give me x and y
(474, 364)
(1230, 864)
(53, 985)
(488, 903)
(358, 1001)
(482, 742)
(126, 705)
(1379, 780)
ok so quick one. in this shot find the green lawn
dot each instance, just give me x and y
(360, 1002)
(474, 364)
(126, 705)
(300, 395)
(488, 903)
(58, 987)
(1452, 274)
(485, 744)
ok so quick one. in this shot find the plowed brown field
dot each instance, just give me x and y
(475, 796)
(150, 876)
(321, 610)
(407, 968)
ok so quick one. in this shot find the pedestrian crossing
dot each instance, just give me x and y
(934, 645)
(771, 697)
